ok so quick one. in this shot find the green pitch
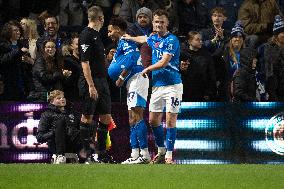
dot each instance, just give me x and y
(100, 176)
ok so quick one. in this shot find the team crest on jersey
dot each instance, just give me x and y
(161, 45)
(84, 47)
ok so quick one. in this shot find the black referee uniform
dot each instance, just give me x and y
(92, 50)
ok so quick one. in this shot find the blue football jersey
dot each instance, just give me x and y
(168, 44)
(127, 57)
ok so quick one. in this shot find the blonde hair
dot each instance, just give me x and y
(274, 40)
(94, 13)
(31, 28)
(53, 94)
(66, 50)
(232, 50)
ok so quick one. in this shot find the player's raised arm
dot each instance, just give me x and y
(137, 39)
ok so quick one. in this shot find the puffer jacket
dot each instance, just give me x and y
(49, 119)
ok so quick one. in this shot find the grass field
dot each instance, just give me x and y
(141, 176)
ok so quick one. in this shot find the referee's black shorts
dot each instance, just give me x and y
(100, 106)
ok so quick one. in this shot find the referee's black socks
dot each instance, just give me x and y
(102, 130)
(85, 135)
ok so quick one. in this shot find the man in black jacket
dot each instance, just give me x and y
(51, 27)
(58, 127)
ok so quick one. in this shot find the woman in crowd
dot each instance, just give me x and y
(231, 61)
(198, 73)
(28, 39)
(13, 68)
(48, 73)
(30, 36)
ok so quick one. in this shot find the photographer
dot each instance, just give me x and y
(58, 127)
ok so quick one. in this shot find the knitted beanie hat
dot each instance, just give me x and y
(278, 26)
(238, 29)
(145, 11)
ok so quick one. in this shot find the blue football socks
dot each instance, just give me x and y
(159, 135)
(142, 134)
(170, 138)
(133, 137)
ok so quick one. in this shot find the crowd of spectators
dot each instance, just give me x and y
(223, 57)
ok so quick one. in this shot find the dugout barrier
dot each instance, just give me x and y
(207, 133)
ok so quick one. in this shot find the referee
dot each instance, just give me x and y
(95, 93)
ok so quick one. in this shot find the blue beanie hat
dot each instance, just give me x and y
(238, 29)
(278, 26)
